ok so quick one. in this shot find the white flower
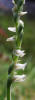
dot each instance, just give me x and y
(20, 66)
(20, 53)
(20, 22)
(22, 13)
(13, 2)
(10, 39)
(13, 29)
(19, 78)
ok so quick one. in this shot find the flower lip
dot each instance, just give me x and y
(19, 53)
(20, 66)
(23, 13)
(19, 78)
(13, 29)
(10, 39)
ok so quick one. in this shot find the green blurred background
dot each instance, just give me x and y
(20, 91)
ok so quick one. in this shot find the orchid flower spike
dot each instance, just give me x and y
(20, 66)
(22, 13)
(20, 53)
(19, 78)
(13, 29)
(10, 39)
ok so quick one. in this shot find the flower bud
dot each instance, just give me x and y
(21, 35)
(20, 26)
(19, 3)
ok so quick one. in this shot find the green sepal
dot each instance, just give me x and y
(18, 2)
(11, 67)
(20, 27)
(9, 81)
(15, 15)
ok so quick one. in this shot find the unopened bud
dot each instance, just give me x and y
(19, 3)
(20, 26)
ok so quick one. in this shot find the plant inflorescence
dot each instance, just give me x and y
(17, 51)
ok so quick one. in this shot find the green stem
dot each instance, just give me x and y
(8, 93)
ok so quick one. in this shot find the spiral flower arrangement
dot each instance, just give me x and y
(17, 52)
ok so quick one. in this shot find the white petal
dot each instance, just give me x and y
(20, 53)
(22, 13)
(18, 80)
(19, 77)
(10, 39)
(13, 29)
(20, 66)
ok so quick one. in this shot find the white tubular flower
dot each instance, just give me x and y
(19, 78)
(13, 29)
(20, 66)
(20, 22)
(10, 39)
(22, 13)
(13, 2)
(20, 53)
